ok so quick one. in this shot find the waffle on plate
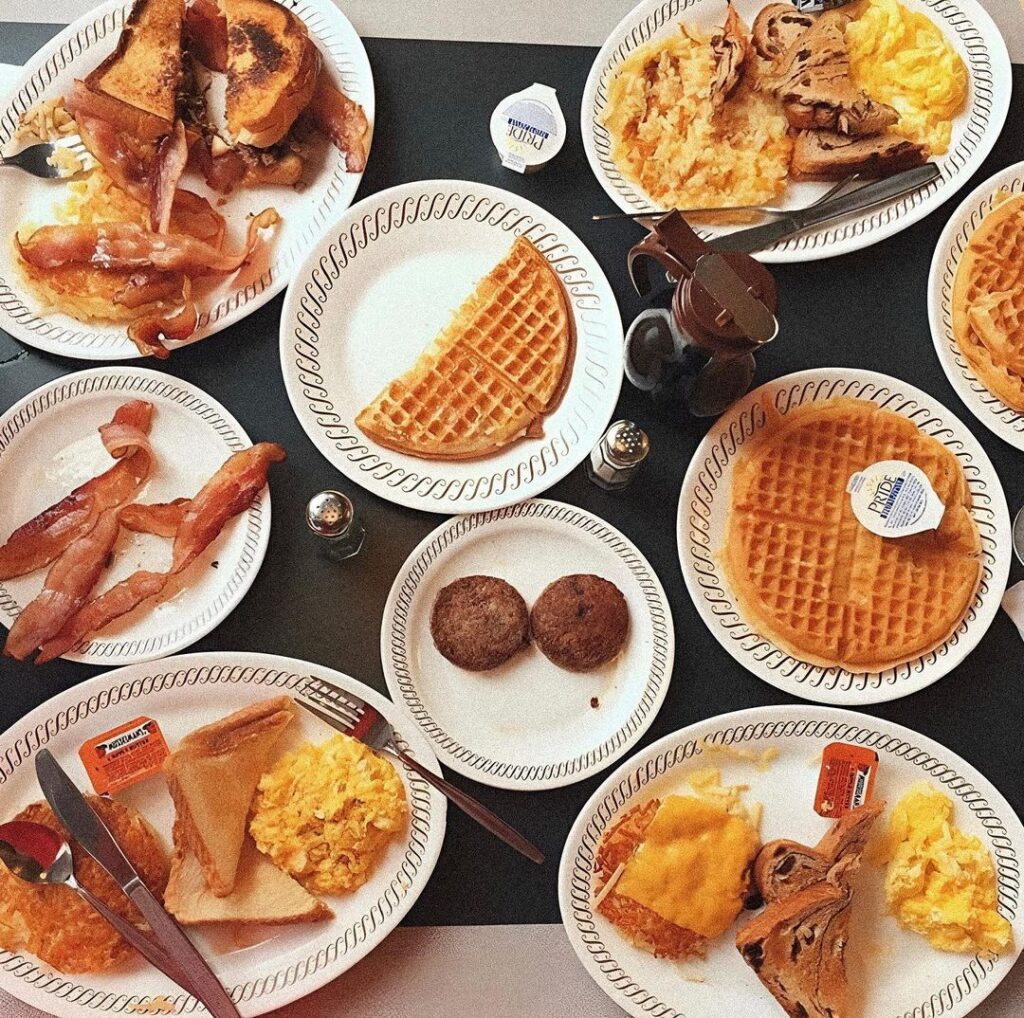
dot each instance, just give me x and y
(493, 372)
(809, 576)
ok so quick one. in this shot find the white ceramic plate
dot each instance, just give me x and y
(375, 291)
(893, 972)
(1006, 422)
(704, 507)
(964, 22)
(181, 694)
(49, 444)
(328, 189)
(527, 724)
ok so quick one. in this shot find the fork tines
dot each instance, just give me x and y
(350, 708)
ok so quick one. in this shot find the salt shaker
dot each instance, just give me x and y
(330, 515)
(615, 460)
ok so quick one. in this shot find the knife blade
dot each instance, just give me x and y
(757, 238)
(86, 827)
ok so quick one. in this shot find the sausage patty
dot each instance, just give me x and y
(479, 622)
(580, 621)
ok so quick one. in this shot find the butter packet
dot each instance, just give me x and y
(893, 498)
(528, 128)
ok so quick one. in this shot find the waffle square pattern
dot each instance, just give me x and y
(491, 375)
(809, 576)
(988, 302)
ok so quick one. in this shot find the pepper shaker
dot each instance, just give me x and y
(331, 515)
(615, 460)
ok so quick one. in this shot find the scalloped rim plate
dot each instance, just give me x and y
(1000, 419)
(897, 970)
(182, 693)
(968, 26)
(376, 290)
(528, 724)
(328, 189)
(704, 505)
(49, 444)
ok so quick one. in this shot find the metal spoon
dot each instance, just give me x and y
(39, 855)
(1018, 535)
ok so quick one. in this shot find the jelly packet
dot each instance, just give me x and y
(846, 779)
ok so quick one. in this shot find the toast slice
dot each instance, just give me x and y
(212, 776)
(262, 893)
(145, 70)
(783, 867)
(828, 155)
(796, 947)
(797, 944)
(272, 70)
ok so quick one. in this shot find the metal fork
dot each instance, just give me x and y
(353, 716)
(35, 158)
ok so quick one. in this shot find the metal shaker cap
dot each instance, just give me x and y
(329, 513)
(627, 444)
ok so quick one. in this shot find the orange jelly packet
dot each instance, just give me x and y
(846, 779)
(124, 756)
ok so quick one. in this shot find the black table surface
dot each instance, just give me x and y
(863, 310)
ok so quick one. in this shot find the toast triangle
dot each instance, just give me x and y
(212, 776)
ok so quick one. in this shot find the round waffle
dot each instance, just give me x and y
(988, 302)
(807, 575)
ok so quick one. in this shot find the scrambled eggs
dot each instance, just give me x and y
(667, 137)
(692, 867)
(325, 813)
(940, 882)
(902, 58)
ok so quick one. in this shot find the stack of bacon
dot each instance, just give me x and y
(76, 536)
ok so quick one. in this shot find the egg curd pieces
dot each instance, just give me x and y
(325, 813)
(902, 58)
(940, 882)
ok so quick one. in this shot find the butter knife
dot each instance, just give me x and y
(757, 238)
(83, 824)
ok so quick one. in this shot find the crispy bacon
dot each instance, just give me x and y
(66, 587)
(41, 540)
(130, 246)
(223, 172)
(342, 120)
(169, 165)
(149, 286)
(206, 33)
(230, 491)
(149, 331)
(129, 169)
(160, 518)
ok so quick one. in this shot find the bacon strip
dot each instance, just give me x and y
(160, 518)
(149, 286)
(129, 246)
(66, 587)
(343, 121)
(169, 165)
(230, 491)
(206, 32)
(148, 332)
(38, 542)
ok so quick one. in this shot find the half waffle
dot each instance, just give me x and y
(493, 372)
(988, 302)
(809, 576)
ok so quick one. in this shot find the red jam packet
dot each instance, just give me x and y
(124, 756)
(846, 779)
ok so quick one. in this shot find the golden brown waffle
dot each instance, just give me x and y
(808, 576)
(500, 364)
(988, 302)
